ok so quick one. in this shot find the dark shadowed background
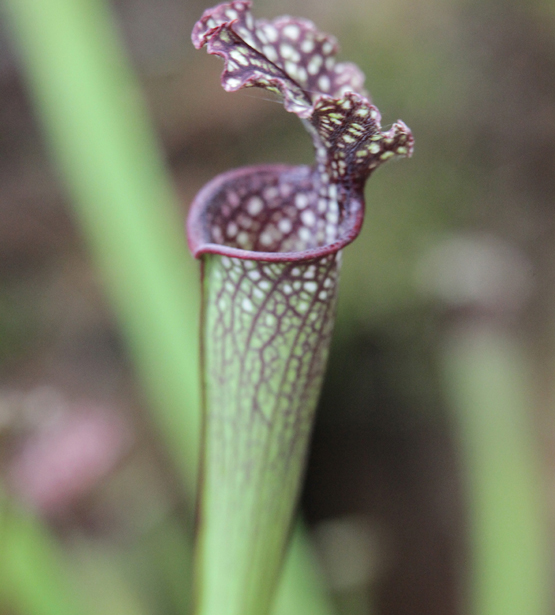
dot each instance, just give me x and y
(458, 238)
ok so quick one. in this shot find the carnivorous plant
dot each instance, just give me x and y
(270, 240)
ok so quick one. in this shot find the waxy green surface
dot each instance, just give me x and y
(266, 337)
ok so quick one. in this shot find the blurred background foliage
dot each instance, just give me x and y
(432, 465)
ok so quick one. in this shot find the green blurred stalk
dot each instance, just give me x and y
(487, 382)
(98, 129)
(34, 577)
(302, 591)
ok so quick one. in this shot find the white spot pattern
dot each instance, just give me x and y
(269, 212)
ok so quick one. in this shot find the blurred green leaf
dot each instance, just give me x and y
(487, 381)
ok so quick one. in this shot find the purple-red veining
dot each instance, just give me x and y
(278, 213)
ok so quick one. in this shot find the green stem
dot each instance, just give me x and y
(487, 382)
(301, 591)
(34, 577)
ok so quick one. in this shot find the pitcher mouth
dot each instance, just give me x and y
(286, 213)
(273, 213)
